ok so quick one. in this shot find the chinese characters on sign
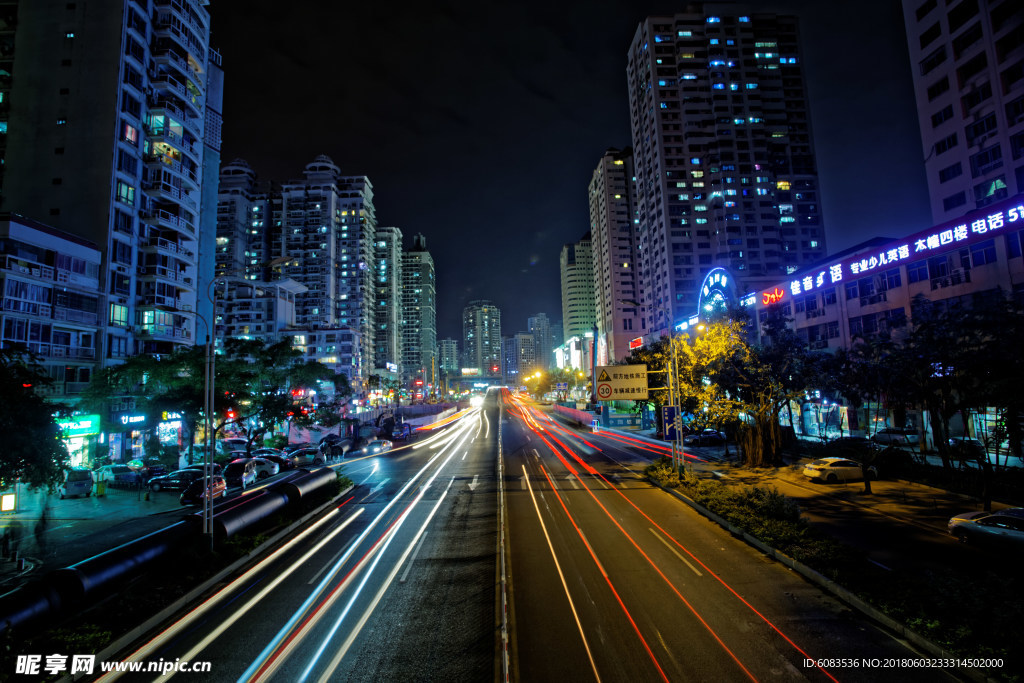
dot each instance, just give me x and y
(916, 246)
(621, 382)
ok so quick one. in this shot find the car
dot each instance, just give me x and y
(77, 482)
(265, 468)
(377, 446)
(214, 467)
(307, 455)
(233, 444)
(240, 472)
(1000, 529)
(891, 436)
(179, 480)
(967, 448)
(195, 493)
(708, 437)
(283, 462)
(401, 432)
(837, 469)
(118, 475)
(265, 451)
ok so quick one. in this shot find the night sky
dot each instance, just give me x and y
(480, 124)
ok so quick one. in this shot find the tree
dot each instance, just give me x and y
(34, 449)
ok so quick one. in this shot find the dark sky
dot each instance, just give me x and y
(480, 123)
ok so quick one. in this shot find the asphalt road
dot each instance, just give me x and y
(397, 583)
(614, 579)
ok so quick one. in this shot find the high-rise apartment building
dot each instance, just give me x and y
(576, 269)
(967, 61)
(519, 358)
(448, 351)
(612, 196)
(387, 279)
(723, 155)
(319, 231)
(481, 337)
(543, 340)
(112, 128)
(419, 314)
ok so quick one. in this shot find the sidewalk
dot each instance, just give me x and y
(78, 528)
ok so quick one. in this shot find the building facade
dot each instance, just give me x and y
(723, 153)
(448, 351)
(387, 279)
(481, 338)
(613, 216)
(867, 291)
(519, 358)
(576, 270)
(967, 61)
(320, 232)
(419, 315)
(125, 95)
(543, 340)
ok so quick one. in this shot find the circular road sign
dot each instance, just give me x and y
(604, 391)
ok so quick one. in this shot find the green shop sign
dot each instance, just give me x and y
(80, 425)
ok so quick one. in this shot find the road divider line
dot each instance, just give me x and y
(412, 559)
(674, 551)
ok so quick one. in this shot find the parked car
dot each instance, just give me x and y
(377, 446)
(195, 493)
(401, 432)
(1000, 529)
(307, 455)
(837, 469)
(214, 467)
(240, 472)
(283, 462)
(77, 482)
(178, 480)
(967, 448)
(265, 468)
(896, 437)
(708, 437)
(117, 475)
(233, 444)
(266, 450)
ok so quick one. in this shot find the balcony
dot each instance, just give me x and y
(20, 265)
(28, 307)
(957, 277)
(878, 298)
(165, 246)
(73, 315)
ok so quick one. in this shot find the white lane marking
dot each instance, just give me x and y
(525, 487)
(572, 480)
(412, 559)
(376, 489)
(674, 551)
(565, 586)
(476, 478)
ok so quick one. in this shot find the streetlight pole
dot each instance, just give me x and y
(677, 458)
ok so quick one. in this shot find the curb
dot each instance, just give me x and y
(832, 587)
(127, 639)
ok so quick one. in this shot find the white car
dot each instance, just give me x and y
(265, 468)
(377, 446)
(837, 469)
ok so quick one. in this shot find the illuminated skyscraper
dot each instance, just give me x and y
(387, 280)
(723, 154)
(613, 213)
(481, 337)
(419, 314)
(576, 269)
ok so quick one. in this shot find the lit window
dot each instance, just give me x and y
(131, 134)
(782, 185)
(125, 193)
